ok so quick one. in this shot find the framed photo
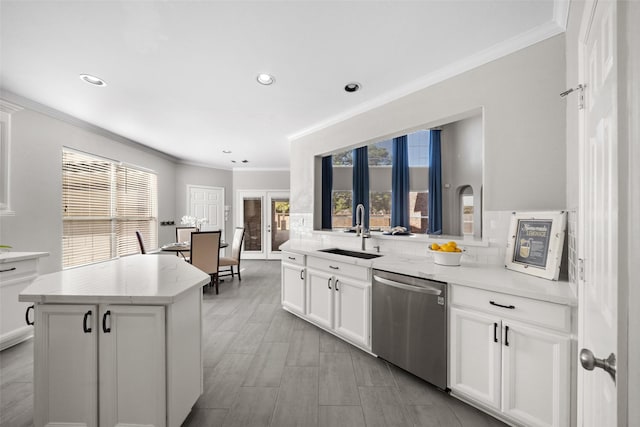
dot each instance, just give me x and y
(535, 243)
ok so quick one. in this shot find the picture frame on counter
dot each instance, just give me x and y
(535, 243)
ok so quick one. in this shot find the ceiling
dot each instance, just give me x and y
(181, 75)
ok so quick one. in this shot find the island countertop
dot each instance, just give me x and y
(136, 279)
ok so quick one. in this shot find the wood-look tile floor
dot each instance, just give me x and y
(265, 367)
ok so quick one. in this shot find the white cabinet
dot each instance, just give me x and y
(139, 364)
(340, 302)
(293, 280)
(17, 270)
(503, 360)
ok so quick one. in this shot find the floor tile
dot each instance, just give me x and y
(297, 403)
(371, 371)
(222, 383)
(382, 407)
(281, 327)
(248, 339)
(267, 365)
(304, 349)
(340, 416)
(199, 417)
(337, 380)
(329, 343)
(253, 407)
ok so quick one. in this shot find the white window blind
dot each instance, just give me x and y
(103, 204)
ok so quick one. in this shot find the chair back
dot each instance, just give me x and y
(236, 245)
(140, 242)
(183, 234)
(205, 250)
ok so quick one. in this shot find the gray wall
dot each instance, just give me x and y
(524, 129)
(461, 146)
(36, 181)
(198, 175)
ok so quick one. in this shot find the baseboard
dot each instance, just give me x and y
(15, 337)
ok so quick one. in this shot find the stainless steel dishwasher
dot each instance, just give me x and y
(409, 324)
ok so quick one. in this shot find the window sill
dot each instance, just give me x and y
(421, 238)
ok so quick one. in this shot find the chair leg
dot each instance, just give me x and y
(217, 284)
(238, 267)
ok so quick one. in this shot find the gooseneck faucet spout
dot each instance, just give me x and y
(360, 230)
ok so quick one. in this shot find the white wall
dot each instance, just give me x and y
(36, 180)
(524, 130)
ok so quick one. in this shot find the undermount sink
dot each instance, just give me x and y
(344, 252)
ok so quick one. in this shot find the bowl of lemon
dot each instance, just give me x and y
(446, 254)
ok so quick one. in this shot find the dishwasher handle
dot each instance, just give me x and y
(423, 289)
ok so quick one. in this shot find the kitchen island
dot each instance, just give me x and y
(118, 342)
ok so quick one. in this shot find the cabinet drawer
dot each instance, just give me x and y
(293, 258)
(339, 268)
(12, 270)
(548, 314)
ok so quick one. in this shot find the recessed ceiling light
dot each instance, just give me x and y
(245, 161)
(226, 151)
(265, 79)
(352, 87)
(96, 81)
(233, 161)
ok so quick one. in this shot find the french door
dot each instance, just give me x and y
(265, 218)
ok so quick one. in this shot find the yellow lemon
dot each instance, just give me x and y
(448, 248)
(452, 244)
(435, 247)
(458, 250)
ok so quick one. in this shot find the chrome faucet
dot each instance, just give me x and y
(360, 230)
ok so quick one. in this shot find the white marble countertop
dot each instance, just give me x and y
(482, 276)
(20, 256)
(136, 279)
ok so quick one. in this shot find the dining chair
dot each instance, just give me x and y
(234, 259)
(183, 234)
(140, 242)
(205, 253)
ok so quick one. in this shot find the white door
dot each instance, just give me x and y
(598, 214)
(265, 218)
(278, 222)
(293, 288)
(351, 310)
(66, 365)
(207, 202)
(132, 366)
(533, 360)
(475, 342)
(320, 297)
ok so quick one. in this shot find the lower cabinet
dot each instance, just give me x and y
(341, 304)
(110, 365)
(516, 368)
(293, 289)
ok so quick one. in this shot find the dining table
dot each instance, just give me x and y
(182, 247)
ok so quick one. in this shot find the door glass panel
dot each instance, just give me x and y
(252, 208)
(279, 222)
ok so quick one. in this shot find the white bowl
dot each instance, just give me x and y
(446, 258)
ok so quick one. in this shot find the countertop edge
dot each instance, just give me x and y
(20, 256)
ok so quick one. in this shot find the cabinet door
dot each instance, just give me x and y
(293, 288)
(66, 365)
(536, 369)
(320, 297)
(352, 310)
(475, 346)
(132, 366)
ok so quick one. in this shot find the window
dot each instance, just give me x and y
(341, 211)
(419, 211)
(103, 204)
(380, 211)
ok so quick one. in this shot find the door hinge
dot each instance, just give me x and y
(581, 269)
(579, 88)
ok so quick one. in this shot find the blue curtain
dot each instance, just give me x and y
(327, 186)
(435, 184)
(361, 183)
(400, 183)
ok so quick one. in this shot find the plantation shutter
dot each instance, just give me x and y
(103, 204)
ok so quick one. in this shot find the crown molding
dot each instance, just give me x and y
(8, 107)
(203, 165)
(261, 170)
(483, 57)
(26, 103)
